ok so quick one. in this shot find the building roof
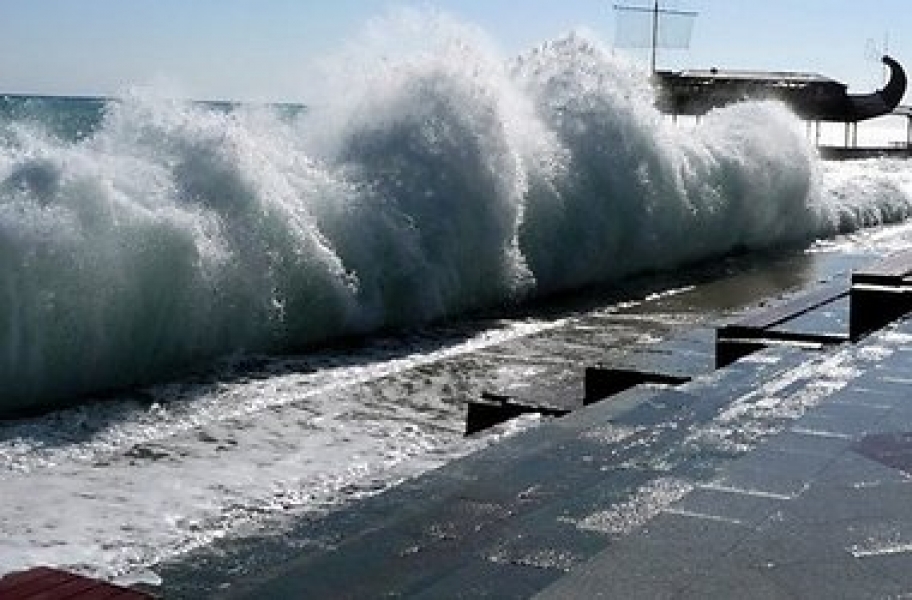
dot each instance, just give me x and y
(758, 76)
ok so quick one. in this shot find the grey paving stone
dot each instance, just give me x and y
(879, 537)
(558, 472)
(866, 395)
(829, 503)
(694, 538)
(892, 449)
(658, 410)
(361, 568)
(846, 578)
(896, 567)
(853, 470)
(726, 582)
(555, 544)
(841, 419)
(726, 505)
(898, 419)
(899, 361)
(481, 578)
(805, 443)
(877, 387)
(659, 558)
(772, 472)
(605, 411)
(527, 443)
(620, 587)
(698, 468)
(786, 542)
(615, 489)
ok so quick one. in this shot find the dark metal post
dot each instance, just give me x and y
(655, 33)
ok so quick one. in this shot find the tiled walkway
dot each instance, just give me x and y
(821, 510)
(781, 476)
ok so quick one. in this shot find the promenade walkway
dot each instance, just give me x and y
(788, 474)
(821, 510)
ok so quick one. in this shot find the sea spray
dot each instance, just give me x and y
(167, 238)
(642, 193)
(438, 141)
(423, 185)
(860, 194)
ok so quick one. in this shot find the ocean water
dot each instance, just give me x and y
(227, 314)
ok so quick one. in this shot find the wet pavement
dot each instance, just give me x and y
(821, 510)
(784, 475)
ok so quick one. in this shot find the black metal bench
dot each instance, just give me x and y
(495, 408)
(600, 383)
(768, 325)
(671, 362)
(880, 293)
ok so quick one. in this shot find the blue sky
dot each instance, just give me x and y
(261, 49)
